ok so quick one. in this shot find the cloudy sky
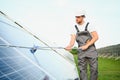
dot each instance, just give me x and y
(51, 20)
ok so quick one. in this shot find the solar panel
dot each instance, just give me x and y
(18, 63)
(15, 66)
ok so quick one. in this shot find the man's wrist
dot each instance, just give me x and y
(69, 46)
(87, 45)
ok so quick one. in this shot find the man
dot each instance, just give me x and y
(86, 36)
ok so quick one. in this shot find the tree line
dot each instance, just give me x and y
(113, 49)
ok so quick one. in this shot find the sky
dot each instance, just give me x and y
(51, 20)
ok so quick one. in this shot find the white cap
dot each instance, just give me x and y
(80, 13)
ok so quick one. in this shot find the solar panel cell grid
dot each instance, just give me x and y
(14, 66)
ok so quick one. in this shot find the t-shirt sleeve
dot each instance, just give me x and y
(91, 27)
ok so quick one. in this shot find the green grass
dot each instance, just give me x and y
(108, 69)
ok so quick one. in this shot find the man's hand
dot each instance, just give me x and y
(84, 47)
(68, 48)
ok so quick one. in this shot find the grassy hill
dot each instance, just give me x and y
(109, 49)
(112, 51)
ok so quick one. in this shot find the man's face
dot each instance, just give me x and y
(79, 19)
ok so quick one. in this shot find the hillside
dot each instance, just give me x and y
(110, 51)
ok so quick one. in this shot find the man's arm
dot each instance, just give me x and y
(92, 41)
(72, 42)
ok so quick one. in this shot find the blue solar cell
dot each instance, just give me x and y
(5, 69)
(1, 74)
(4, 78)
(16, 76)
